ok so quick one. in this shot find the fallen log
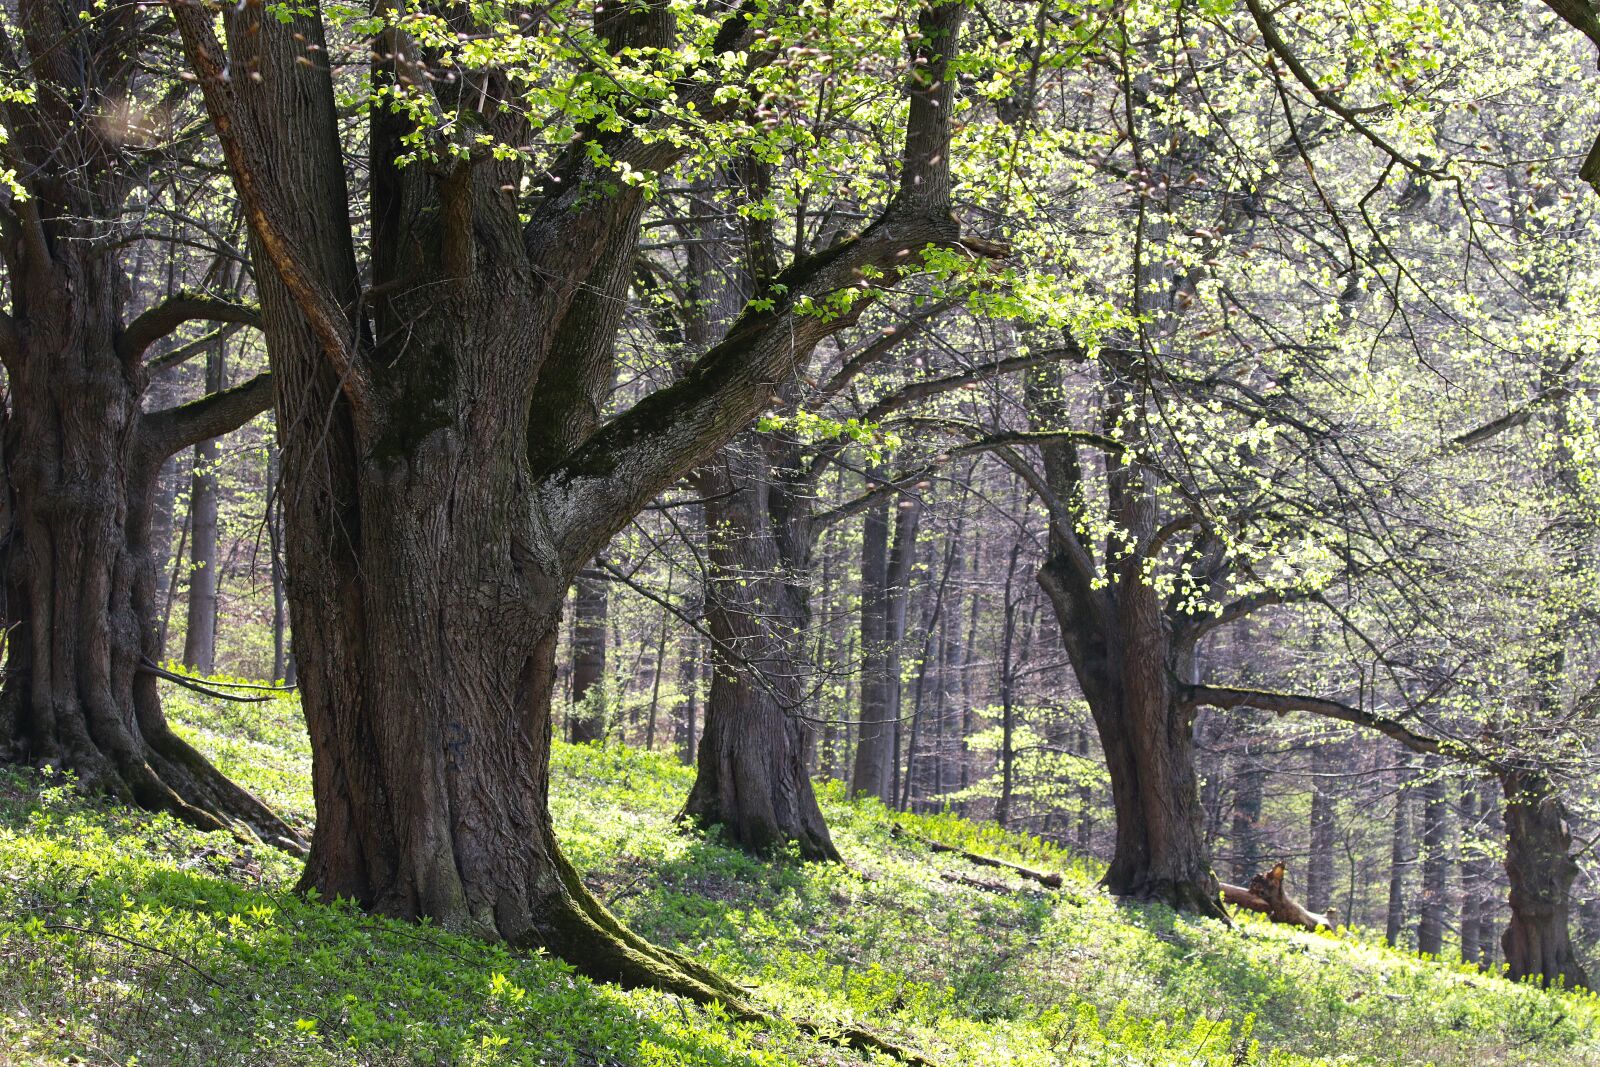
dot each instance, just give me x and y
(1044, 878)
(1267, 895)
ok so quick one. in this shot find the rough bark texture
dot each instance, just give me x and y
(1120, 641)
(1541, 868)
(752, 776)
(81, 456)
(441, 493)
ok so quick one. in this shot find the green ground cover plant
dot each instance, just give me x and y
(128, 938)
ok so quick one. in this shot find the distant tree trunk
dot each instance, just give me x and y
(885, 574)
(1435, 862)
(586, 721)
(1539, 862)
(1400, 857)
(1085, 799)
(932, 626)
(1250, 774)
(655, 683)
(752, 778)
(1002, 814)
(1324, 828)
(1472, 931)
(282, 656)
(1119, 637)
(689, 683)
(200, 627)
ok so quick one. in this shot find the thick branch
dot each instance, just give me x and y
(272, 220)
(622, 466)
(173, 429)
(176, 310)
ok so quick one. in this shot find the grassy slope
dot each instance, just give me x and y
(130, 939)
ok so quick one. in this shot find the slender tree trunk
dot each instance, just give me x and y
(1539, 862)
(1324, 829)
(1435, 863)
(1250, 774)
(1471, 896)
(586, 721)
(885, 579)
(689, 683)
(1400, 858)
(282, 657)
(200, 627)
(1002, 814)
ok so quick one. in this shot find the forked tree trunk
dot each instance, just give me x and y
(1539, 863)
(752, 777)
(443, 485)
(83, 464)
(1120, 648)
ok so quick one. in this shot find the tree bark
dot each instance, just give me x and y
(445, 486)
(752, 778)
(1539, 863)
(885, 579)
(1324, 829)
(587, 716)
(1400, 858)
(1435, 863)
(82, 458)
(200, 629)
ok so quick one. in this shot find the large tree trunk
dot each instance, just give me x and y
(1120, 649)
(1541, 868)
(447, 481)
(82, 466)
(752, 777)
(200, 631)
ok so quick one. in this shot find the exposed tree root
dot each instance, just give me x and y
(604, 949)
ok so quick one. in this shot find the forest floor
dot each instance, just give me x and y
(130, 939)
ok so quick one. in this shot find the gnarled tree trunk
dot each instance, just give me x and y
(82, 465)
(752, 778)
(1539, 863)
(443, 481)
(1119, 653)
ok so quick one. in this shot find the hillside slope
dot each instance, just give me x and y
(126, 938)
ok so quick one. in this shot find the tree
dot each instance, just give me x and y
(81, 454)
(438, 498)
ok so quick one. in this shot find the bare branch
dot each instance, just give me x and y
(175, 311)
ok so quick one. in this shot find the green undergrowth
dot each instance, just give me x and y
(129, 939)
